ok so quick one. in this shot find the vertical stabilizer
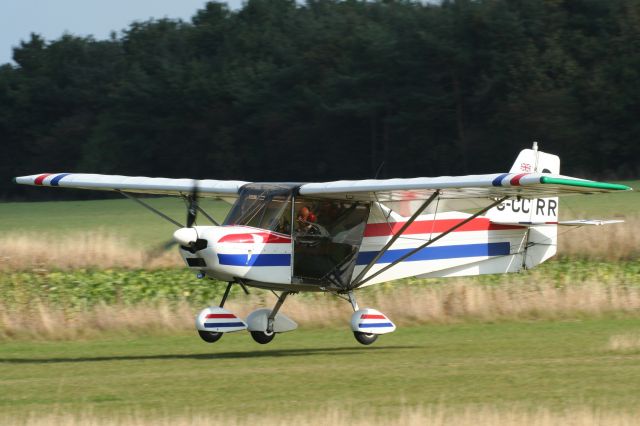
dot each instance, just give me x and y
(541, 240)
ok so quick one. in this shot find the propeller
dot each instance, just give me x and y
(187, 237)
(192, 209)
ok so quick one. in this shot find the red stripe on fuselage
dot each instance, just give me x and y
(267, 238)
(371, 316)
(220, 316)
(433, 226)
(41, 178)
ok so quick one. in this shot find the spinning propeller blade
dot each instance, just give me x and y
(192, 214)
(192, 210)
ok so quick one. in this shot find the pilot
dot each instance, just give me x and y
(305, 218)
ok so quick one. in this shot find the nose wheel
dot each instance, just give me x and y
(263, 324)
(263, 337)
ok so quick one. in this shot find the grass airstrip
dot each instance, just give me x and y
(527, 364)
(555, 362)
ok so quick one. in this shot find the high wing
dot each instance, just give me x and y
(138, 184)
(524, 185)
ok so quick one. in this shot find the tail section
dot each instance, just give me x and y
(541, 240)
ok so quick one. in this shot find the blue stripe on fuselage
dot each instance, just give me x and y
(255, 260)
(440, 252)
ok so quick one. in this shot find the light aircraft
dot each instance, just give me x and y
(341, 236)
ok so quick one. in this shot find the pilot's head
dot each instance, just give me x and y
(304, 213)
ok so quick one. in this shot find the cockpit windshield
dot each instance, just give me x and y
(262, 209)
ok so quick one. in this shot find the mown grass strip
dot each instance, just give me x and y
(533, 365)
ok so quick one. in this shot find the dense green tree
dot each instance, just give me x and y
(330, 89)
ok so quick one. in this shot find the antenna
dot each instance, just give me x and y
(379, 170)
(535, 149)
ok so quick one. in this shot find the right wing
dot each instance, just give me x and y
(525, 185)
(144, 185)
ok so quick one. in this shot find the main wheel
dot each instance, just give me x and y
(365, 338)
(210, 336)
(263, 337)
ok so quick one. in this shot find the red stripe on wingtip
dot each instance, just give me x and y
(515, 181)
(371, 316)
(41, 178)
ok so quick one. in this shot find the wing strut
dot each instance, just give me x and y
(396, 236)
(428, 243)
(153, 209)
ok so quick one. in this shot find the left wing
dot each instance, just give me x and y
(524, 185)
(145, 185)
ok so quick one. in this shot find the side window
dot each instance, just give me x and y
(277, 216)
(327, 236)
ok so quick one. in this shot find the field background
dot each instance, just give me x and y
(126, 218)
(112, 342)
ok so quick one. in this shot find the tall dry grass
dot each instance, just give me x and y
(88, 249)
(456, 301)
(476, 415)
(620, 241)
(96, 249)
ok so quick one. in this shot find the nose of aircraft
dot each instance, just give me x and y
(185, 236)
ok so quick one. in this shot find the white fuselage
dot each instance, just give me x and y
(265, 258)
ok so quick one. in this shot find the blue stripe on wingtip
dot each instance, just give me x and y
(223, 324)
(56, 180)
(498, 181)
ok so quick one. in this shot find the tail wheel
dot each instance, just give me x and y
(365, 338)
(263, 337)
(210, 336)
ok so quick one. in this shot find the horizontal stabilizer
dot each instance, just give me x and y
(596, 222)
(577, 222)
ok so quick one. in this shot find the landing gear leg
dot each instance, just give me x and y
(364, 338)
(264, 337)
(225, 295)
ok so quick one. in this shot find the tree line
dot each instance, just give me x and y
(325, 90)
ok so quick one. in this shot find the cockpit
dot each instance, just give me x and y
(326, 234)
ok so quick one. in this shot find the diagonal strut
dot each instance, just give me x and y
(397, 235)
(428, 243)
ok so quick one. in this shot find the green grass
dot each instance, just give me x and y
(537, 364)
(121, 217)
(602, 205)
(125, 217)
(80, 289)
